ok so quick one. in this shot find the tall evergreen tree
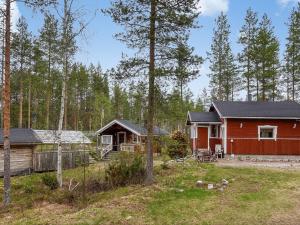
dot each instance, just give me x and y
(49, 41)
(266, 52)
(6, 91)
(292, 55)
(247, 38)
(187, 65)
(152, 27)
(223, 76)
(21, 59)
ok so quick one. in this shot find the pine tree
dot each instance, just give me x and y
(6, 91)
(205, 99)
(152, 28)
(21, 58)
(223, 76)
(49, 45)
(247, 38)
(266, 60)
(292, 55)
(187, 65)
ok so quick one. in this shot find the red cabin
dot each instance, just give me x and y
(247, 128)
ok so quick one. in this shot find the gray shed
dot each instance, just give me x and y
(23, 143)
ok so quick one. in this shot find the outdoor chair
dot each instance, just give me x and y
(218, 151)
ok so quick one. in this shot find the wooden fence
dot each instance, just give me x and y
(47, 161)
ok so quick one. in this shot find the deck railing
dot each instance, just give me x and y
(105, 150)
(127, 147)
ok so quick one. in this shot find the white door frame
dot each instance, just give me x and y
(118, 138)
(208, 134)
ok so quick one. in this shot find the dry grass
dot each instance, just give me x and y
(254, 196)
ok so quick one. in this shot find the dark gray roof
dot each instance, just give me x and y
(141, 129)
(135, 127)
(280, 110)
(203, 117)
(21, 136)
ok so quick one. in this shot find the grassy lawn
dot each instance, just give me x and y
(253, 196)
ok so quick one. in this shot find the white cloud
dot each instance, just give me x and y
(211, 7)
(15, 13)
(286, 2)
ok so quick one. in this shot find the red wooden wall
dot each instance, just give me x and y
(213, 142)
(245, 139)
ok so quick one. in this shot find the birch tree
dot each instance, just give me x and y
(71, 19)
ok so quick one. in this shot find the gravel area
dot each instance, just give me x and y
(238, 163)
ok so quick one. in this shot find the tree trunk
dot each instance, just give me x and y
(293, 78)
(29, 102)
(2, 67)
(60, 126)
(6, 108)
(66, 101)
(149, 168)
(21, 100)
(62, 101)
(248, 78)
(48, 98)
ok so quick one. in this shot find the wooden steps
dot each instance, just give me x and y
(111, 155)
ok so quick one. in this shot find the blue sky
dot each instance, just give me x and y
(101, 47)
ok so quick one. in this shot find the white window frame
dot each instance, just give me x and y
(111, 139)
(194, 131)
(217, 130)
(137, 138)
(267, 127)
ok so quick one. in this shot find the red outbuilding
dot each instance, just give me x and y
(247, 128)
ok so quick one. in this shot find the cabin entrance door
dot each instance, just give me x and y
(121, 138)
(202, 138)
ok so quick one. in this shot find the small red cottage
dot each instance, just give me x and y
(249, 128)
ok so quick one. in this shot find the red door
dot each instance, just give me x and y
(203, 137)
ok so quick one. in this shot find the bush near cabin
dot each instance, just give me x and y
(177, 145)
(127, 168)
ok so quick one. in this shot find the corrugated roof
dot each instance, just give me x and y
(68, 137)
(203, 117)
(138, 129)
(238, 109)
(21, 136)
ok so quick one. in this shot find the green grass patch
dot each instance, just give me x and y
(256, 195)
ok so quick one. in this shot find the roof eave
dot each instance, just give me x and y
(188, 119)
(216, 108)
(119, 123)
(200, 122)
(267, 118)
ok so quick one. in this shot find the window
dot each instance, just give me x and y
(214, 131)
(106, 139)
(134, 138)
(193, 131)
(267, 132)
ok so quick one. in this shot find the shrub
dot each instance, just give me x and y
(177, 145)
(50, 181)
(127, 168)
(165, 159)
(29, 188)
